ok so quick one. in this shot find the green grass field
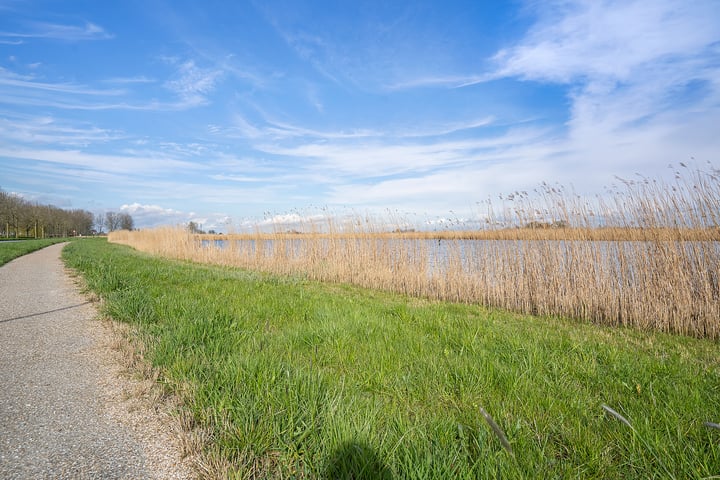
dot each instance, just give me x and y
(303, 379)
(10, 250)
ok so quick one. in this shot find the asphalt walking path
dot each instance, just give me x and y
(56, 420)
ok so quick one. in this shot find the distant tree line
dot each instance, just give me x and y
(545, 225)
(193, 227)
(22, 218)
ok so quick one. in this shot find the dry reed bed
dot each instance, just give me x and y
(608, 234)
(646, 256)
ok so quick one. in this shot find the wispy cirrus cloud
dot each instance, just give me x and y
(29, 83)
(597, 42)
(373, 160)
(130, 80)
(440, 192)
(56, 31)
(447, 81)
(271, 129)
(275, 129)
(634, 56)
(148, 164)
(190, 86)
(637, 74)
(30, 90)
(589, 40)
(192, 83)
(30, 129)
(223, 177)
(80, 104)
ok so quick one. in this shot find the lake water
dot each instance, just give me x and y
(484, 256)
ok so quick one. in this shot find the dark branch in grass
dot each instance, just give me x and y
(498, 431)
(616, 415)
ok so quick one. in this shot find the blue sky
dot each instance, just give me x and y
(225, 112)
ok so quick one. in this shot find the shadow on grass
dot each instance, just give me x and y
(356, 460)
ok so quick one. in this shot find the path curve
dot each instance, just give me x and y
(58, 407)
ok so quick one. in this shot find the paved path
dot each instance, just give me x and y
(55, 417)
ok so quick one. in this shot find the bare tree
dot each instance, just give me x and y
(112, 221)
(126, 221)
(194, 228)
(99, 223)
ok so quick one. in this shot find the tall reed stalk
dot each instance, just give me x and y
(645, 255)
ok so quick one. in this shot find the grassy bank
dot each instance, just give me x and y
(10, 250)
(297, 378)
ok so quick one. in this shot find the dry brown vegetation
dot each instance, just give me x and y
(646, 254)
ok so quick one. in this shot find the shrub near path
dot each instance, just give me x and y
(299, 378)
